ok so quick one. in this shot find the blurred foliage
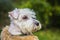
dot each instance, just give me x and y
(47, 11)
(5, 7)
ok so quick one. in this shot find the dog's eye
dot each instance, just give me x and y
(33, 18)
(25, 17)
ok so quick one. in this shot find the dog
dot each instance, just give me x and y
(23, 21)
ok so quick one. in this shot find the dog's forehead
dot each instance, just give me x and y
(26, 11)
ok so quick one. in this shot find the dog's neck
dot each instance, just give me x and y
(14, 30)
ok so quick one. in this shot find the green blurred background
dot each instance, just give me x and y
(47, 12)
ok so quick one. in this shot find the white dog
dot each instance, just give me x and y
(23, 21)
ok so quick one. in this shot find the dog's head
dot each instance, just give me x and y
(25, 19)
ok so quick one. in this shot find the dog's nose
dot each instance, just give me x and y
(37, 23)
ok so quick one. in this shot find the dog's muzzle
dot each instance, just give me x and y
(37, 25)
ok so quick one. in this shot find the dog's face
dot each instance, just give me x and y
(25, 19)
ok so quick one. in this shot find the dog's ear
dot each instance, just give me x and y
(14, 14)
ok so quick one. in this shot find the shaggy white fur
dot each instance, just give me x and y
(23, 21)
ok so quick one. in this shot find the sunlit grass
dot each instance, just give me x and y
(48, 35)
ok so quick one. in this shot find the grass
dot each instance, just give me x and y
(48, 35)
